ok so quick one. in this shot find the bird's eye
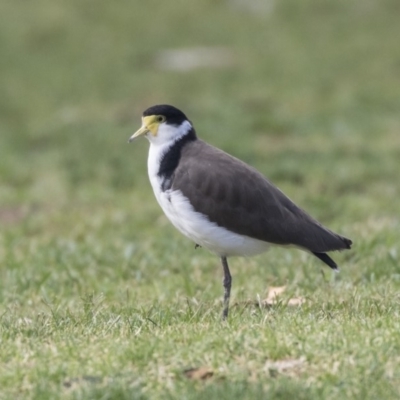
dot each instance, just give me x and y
(161, 118)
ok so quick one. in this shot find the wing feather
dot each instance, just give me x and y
(237, 197)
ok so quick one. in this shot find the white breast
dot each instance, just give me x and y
(195, 225)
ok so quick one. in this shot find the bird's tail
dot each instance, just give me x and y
(327, 260)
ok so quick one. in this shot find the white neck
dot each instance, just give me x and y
(166, 136)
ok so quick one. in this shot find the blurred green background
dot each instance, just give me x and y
(307, 92)
(315, 77)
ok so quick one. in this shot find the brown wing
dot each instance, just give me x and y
(239, 198)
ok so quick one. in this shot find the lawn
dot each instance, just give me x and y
(100, 298)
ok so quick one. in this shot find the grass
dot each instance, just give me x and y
(100, 298)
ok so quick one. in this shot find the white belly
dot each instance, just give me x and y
(203, 232)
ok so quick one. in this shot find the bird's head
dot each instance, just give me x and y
(162, 124)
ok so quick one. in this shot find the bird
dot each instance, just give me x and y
(222, 203)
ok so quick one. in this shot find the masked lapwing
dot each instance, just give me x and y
(220, 202)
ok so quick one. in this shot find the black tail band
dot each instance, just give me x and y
(327, 260)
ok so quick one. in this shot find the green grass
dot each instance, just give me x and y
(100, 298)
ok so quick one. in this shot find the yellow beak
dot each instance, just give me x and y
(149, 124)
(142, 131)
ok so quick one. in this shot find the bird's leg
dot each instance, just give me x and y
(227, 282)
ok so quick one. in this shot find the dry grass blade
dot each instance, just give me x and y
(201, 373)
(274, 292)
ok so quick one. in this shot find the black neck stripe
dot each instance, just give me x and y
(170, 159)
